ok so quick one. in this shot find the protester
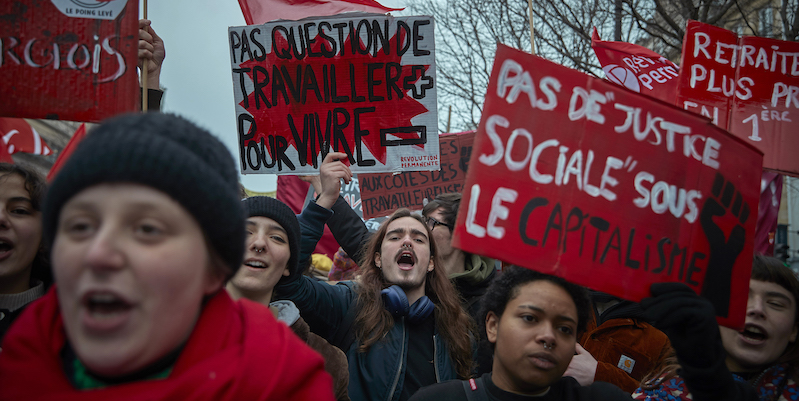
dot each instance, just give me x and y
(146, 226)
(763, 357)
(618, 346)
(24, 270)
(272, 251)
(400, 322)
(532, 321)
(470, 273)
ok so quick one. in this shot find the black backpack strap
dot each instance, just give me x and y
(345, 336)
(475, 389)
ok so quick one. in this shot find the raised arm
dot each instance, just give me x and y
(151, 52)
(346, 226)
(151, 55)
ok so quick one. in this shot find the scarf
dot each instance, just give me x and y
(237, 351)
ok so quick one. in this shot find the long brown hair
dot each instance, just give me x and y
(764, 268)
(373, 321)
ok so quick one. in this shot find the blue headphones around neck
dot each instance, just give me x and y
(396, 302)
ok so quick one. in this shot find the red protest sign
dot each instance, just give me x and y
(747, 85)
(381, 194)
(363, 85)
(637, 68)
(68, 60)
(5, 157)
(573, 176)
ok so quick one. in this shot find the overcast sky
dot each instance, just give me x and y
(196, 73)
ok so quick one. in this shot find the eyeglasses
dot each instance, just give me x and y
(432, 223)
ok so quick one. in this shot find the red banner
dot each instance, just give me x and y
(746, 85)
(5, 157)
(293, 191)
(637, 68)
(19, 136)
(382, 194)
(767, 213)
(78, 136)
(573, 176)
(68, 60)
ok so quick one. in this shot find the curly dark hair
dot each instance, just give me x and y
(506, 287)
(449, 202)
(36, 185)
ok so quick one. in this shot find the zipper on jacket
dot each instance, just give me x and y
(435, 358)
(399, 368)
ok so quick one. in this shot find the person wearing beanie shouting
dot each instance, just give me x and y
(271, 252)
(145, 226)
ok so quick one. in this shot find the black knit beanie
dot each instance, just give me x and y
(278, 211)
(167, 153)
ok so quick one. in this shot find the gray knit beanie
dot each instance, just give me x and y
(165, 152)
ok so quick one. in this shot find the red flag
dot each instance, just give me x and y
(64, 156)
(19, 136)
(766, 229)
(293, 191)
(4, 156)
(261, 11)
(637, 68)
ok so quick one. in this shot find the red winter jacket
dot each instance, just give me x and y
(237, 351)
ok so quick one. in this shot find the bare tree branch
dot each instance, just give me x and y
(467, 33)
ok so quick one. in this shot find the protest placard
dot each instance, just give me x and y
(574, 176)
(381, 194)
(68, 60)
(746, 85)
(361, 84)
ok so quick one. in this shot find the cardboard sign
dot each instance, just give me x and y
(746, 85)
(363, 84)
(68, 62)
(382, 194)
(574, 176)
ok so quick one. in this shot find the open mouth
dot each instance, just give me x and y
(754, 333)
(406, 260)
(256, 264)
(5, 246)
(106, 305)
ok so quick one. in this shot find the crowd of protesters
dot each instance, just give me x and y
(140, 273)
